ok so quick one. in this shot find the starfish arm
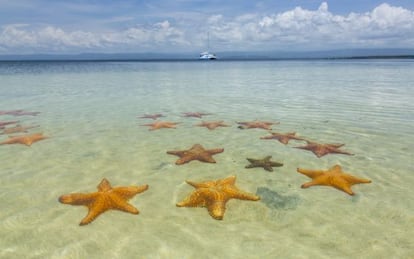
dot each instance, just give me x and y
(268, 168)
(78, 198)
(206, 184)
(276, 164)
(196, 199)
(337, 151)
(206, 158)
(95, 209)
(217, 209)
(130, 191)
(355, 180)
(215, 151)
(119, 203)
(250, 166)
(310, 173)
(309, 184)
(230, 180)
(177, 153)
(235, 193)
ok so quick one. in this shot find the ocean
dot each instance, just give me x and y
(90, 113)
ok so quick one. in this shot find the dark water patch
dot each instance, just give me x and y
(274, 200)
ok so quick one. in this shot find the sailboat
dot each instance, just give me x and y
(206, 55)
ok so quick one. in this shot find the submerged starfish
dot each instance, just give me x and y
(195, 114)
(5, 123)
(106, 198)
(196, 152)
(161, 124)
(323, 149)
(212, 124)
(214, 195)
(334, 177)
(256, 124)
(265, 163)
(22, 113)
(283, 137)
(17, 129)
(10, 112)
(27, 140)
(152, 116)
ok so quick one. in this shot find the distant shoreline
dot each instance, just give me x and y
(78, 59)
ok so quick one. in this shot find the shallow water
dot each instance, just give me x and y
(89, 112)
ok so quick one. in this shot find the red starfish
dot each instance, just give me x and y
(283, 137)
(152, 116)
(196, 152)
(323, 149)
(195, 114)
(256, 124)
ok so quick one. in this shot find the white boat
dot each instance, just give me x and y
(206, 55)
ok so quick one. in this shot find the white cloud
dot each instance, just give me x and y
(384, 26)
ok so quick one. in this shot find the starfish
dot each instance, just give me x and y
(334, 177)
(212, 124)
(265, 163)
(27, 140)
(214, 195)
(161, 124)
(5, 123)
(22, 113)
(195, 114)
(152, 116)
(256, 124)
(10, 112)
(323, 149)
(17, 129)
(196, 152)
(283, 137)
(106, 198)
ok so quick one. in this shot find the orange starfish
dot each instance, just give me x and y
(212, 124)
(283, 137)
(334, 177)
(27, 140)
(214, 195)
(152, 116)
(161, 124)
(106, 198)
(195, 114)
(323, 149)
(196, 152)
(256, 124)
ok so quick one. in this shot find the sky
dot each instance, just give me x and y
(167, 26)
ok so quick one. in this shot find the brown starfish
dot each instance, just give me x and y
(212, 124)
(256, 124)
(195, 114)
(17, 129)
(196, 152)
(265, 163)
(27, 140)
(106, 198)
(214, 195)
(161, 124)
(152, 116)
(323, 149)
(334, 177)
(283, 137)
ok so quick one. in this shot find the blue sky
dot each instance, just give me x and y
(114, 26)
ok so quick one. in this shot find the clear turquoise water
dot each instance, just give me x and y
(89, 111)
